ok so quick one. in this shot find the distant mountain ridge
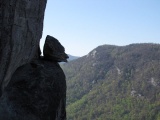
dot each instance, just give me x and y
(71, 57)
(115, 83)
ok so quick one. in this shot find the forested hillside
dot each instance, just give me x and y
(115, 83)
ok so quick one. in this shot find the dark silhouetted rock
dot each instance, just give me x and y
(53, 50)
(31, 88)
(21, 24)
(36, 91)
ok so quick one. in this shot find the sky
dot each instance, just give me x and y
(82, 25)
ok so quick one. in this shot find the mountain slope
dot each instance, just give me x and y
(71, 57)
(115, 83)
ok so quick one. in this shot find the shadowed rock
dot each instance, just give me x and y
(21, 25)
(36, 91)
(53, 50)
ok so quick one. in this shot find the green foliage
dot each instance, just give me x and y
(115, 83)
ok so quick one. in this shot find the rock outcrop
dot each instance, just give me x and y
(53, 50)
(37, 90)
(31, 87)
(21, 25)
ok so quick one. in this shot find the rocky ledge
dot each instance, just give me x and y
(37, 90)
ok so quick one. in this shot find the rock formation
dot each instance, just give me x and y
(53, 50)
(31, 87)
(21, 25)
(37, 90)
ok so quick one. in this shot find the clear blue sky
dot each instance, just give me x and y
(82, 25)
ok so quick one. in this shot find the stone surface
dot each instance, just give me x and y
(36, 91)
(21, 24)
(31, 87)
(53, 50)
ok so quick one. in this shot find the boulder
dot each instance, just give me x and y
(53, 50)
(36, 91)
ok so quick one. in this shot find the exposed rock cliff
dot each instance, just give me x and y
(31, 87)
(37, 90)
(21, 24)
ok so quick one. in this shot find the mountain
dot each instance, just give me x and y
(115, 83)
(71, 57)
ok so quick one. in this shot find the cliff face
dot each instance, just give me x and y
(37, 90)
(21, 24)
(32, 87)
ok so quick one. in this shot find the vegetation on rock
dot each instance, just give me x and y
(115, 83)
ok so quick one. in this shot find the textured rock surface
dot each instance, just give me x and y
(32, 88)
(53, 50)
(21, 24)
(36, 91)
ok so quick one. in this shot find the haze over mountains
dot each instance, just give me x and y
(115, 83)
(71, 57)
